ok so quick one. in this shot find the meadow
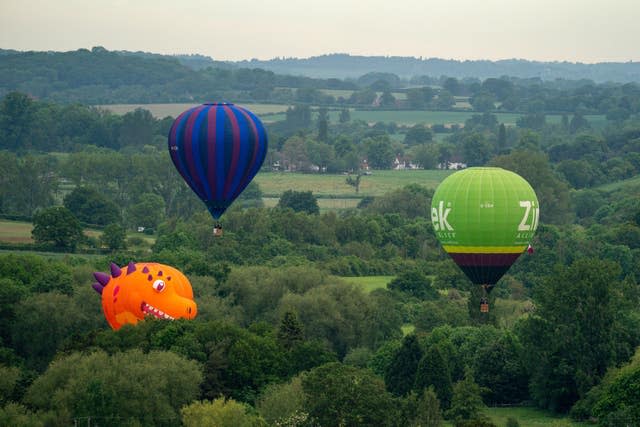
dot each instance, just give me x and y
(529, 417)
(273, 184)
(163, 110)
(20, 232)
(270, 113)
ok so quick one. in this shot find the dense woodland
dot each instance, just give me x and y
(282, 337)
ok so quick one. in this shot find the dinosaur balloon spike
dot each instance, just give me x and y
(97, 287)
(115, 270)
(131, 267)
(143, 291)
(102, 278)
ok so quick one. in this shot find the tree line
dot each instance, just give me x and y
(98, 76)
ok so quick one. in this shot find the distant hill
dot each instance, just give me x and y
(99, 76)
(349, 66)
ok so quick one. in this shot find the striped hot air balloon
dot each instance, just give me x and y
(484, 218)
(217, 148)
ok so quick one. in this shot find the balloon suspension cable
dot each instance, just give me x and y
(484, 300)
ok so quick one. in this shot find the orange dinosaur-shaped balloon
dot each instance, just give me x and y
(144, 289)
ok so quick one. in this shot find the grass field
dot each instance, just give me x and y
(324, 204)
(614, 186)
(378, 183)
(530, 417)
(20, 232)
(411, 117)
(163, 110)
(15, 231)
(275, 112)
(369, 283)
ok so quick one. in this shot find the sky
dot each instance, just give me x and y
(585, 31)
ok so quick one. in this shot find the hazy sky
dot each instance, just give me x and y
(547, 30)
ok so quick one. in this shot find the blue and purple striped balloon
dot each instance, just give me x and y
(217, 148)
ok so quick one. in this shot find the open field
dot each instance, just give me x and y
(163, 110)
(15, 231)
(530, 417)
(20, 232)
(325, 204)
(346, 93)
(370, 283)
(411, 117)
(275, 112)
(378, 183)
(614, 186)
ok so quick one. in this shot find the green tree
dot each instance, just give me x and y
(466, 403)
(219, 413)
(282, 404)
(354, 182)
(420, 98)
(482, 102)
(387, 99)
(445, 100)
(137, 128)
(499, 368)
(29, 183)
(418, 134)
(299, 201)
(44, 322)
(9, 376)
(149, 388)
(502, 137)
(401, 373)
(57, 225)
(345, 115)
(17, 112)
(422, 410)
(414, 283)
(92, 207)
(379, 152)
(148, 212)
(323, 125)
(578, 122)
(342, 395)
(298, 117)
(114, 237)
(426, 156)
(15, 414)
(295, 156)
(290, 331)
(452, 85)
(569, 350)
(476, 149)
(433, 371)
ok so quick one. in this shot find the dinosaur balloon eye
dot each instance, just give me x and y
(158, 285)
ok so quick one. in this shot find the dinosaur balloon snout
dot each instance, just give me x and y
(191, 310)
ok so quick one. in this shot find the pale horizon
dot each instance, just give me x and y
(589, 31)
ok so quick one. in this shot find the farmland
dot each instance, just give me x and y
(164, 110)
(270, 113)
(378, 183)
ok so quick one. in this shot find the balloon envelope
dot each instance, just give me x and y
(217, 148)
(484, 218)
(139, 290)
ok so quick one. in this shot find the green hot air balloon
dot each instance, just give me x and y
(484, 218)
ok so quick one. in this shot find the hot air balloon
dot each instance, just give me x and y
(484, 217)
(217, 148)
(142, 290)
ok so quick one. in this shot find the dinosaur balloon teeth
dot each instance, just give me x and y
(151, 310)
